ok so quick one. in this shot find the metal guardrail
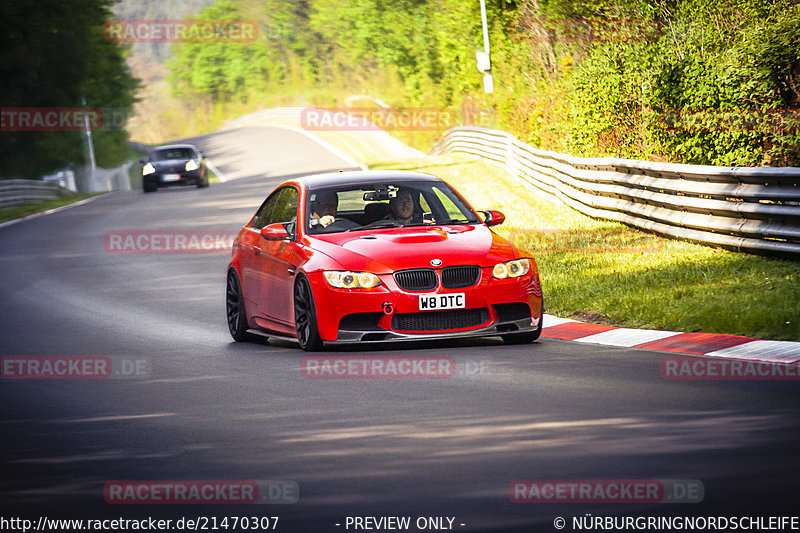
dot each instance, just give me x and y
(17, 192)
(752, 209)
(105, 179)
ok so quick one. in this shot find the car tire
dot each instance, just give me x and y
(527, 337)
(235, 310)
(305, 316)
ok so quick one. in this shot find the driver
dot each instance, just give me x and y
(323, 208)
(323, 213)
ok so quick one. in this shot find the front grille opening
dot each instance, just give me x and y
(367, 337)
(440, 320)
(416, 279)
(360, 322)
(460, 276)
(512, 312)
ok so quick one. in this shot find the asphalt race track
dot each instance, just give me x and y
(210, 409)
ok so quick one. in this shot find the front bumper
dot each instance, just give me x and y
(501, 328)
(158, 179)
(492, 307)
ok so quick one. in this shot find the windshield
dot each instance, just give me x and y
(172, 153)
(385, 205)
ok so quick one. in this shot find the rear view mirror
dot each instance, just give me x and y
(381, 194)
(274, 232)
(376, 196)
(493, 218)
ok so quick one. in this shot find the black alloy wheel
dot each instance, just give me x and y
(305, 316)
(235, 311)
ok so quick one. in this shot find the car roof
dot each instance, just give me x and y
(357, 177)
(170, 146)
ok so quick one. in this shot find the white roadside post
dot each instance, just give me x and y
(484, 58)
(89, 148)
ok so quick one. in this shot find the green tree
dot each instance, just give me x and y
(53, 54)
(698, 81)
(222, 70)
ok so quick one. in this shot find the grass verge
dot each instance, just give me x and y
(603, 271)
(19, 211)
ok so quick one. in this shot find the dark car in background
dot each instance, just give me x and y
(175, 164)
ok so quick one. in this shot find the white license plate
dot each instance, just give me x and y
(434, 302)
(172, 177)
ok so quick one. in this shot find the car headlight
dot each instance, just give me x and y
(352, 280)
(148, 169)
(511, 269)
(192, 165)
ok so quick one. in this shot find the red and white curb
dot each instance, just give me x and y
(706, 344)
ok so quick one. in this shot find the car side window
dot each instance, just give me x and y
(447, 203)
(281, 206)
(286, 210)
(286, 207)
(423, 204)
(265, 211)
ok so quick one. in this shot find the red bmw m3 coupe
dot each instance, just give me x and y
(378, 256)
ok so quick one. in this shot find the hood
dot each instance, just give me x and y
(169, 164)
(388, 250)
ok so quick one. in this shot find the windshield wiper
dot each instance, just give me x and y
(380, 224)
(454, 221)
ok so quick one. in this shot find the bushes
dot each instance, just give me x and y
(710, 95)
(695, 81)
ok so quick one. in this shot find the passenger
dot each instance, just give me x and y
(402, 207)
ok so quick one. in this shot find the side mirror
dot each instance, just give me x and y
(274, 232)
(493, 218)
